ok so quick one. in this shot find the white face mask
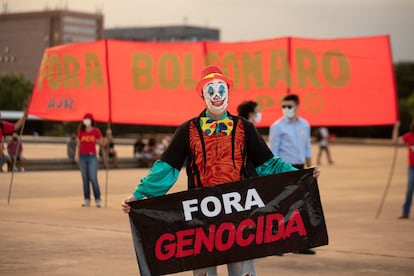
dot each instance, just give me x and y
(216, 96)
(257, 117)
(289, 112)
(87, 122)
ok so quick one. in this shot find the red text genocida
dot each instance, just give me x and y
(223, 237)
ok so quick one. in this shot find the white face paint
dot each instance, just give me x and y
(216, 96)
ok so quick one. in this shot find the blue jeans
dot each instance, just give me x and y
(234, 269)
(3, 160)
(410, 189)
(89, 169)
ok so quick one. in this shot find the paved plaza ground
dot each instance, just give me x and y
(45, 231)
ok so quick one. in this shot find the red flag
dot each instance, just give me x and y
(340, 81)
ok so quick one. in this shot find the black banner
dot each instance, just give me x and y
(235, 221)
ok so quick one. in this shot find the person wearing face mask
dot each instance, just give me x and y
(250, 111)
(290, 139)
(87, 138)
(206, 144)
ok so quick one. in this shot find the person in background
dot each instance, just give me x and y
(250, 111)
(88, 136)
(205, 143)
(150, 154)
(408, 139)
(71, 147)
(4, 159)
(290, 139)
(322, 136)
(15, 150)
(8, 128)
(108, 151)
(139, 147)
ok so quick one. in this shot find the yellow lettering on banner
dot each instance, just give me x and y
(265, 101)
(142, 65)
(279, 68)
(252, 67)
(306, 68)
(246, 70)
(189, 81)
(42, 71)
(54, 75)
(93, 71)
(229, 60)
(344, 69)
(65, 71)
(211, 58)
(169, 71)
(71, 69)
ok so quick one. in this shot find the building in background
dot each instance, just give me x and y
(25, 36)
(163, 33)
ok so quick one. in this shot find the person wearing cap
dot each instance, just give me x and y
(87, 138)
(211, 143)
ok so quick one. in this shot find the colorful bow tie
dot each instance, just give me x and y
(210, 126)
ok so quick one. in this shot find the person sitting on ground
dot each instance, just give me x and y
(150, 154)
(71, 147)
(107, 151)
(15, 150)
(8, 128)
(139, 146)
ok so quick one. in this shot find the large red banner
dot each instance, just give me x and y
(340, 82)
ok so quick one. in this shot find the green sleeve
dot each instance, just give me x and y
(274, 165)
(158, 181)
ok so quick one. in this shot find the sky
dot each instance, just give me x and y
(247, 20)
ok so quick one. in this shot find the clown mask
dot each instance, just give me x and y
(216, 96)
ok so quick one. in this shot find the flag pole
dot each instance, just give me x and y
(390, 175)
(395, 143)
(394, 134)
(109, 113)
(15, 157)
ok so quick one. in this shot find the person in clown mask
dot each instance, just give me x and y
(85, 154)
(209, 144)
(290, 139)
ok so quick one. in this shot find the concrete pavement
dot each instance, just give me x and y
(45, 231)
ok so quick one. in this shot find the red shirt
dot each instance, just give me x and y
(87, 140)
(6, 129)
(408, 138)
(12, 148)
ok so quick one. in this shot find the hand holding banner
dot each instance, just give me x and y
(236, 221)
